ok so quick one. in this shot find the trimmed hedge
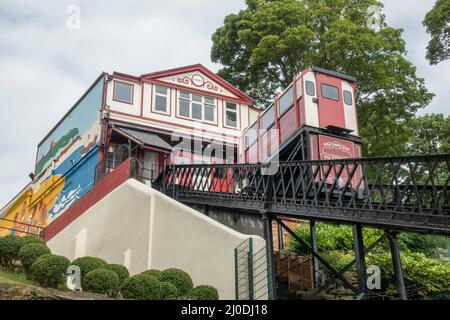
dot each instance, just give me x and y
(141, 287)
(204, 292)
(181, 279)
(49, 270)
(121, 271)
(9, 250)
(87, 264)
(102, 281)
(32, 239)
(153, 272)
(29, 253)
(168, 291)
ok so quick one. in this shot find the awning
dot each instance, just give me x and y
(145, 138)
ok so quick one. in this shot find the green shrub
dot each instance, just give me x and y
(9, 250)
(32, 239)
(120, 270)
(102, 281)
(30, 252)
(153, 272)
(87, 264)
(168, 291)
(181, 279)
(204, 292)
(49, 270)
(141, 287)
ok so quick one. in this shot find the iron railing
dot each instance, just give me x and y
(406, 193)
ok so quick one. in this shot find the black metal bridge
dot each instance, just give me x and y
(408, 193)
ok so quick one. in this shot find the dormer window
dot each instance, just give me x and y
(197, 107)
(123, 92)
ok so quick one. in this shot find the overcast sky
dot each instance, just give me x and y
(45, 67)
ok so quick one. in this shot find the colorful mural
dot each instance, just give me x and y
(65, 168)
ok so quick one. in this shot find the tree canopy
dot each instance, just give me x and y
(437, 22)
(264, 45)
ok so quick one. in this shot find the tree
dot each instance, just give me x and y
(429, 134)
(437, 22)
(266, 44)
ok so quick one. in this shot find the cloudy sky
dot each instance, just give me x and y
(45, 66)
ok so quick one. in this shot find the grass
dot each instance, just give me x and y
(15, 278)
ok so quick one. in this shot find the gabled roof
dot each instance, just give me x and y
(202, 69)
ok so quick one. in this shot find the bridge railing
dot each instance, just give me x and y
(408, 184)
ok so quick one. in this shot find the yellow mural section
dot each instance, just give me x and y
(31, 208)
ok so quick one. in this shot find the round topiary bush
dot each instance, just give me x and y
(141, 287)
(181, 279)
(204, 292)
(49, 270)
(29, 253)
(32, 239)
(168, 291)
(87, 264)
(120, 270)
(9, 250)
(152, 272)
(102, 281)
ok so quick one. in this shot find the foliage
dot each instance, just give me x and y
(263, 46)
(29, 253)
(437, 22)
(181, 279)
(121, 271)
(168, 291)
(423, 273)
(102, 281)
(153, 272)
(141, 287)
(429, 134)
(49, 270)
(204, 292)
(9, 250)
(87, 264)
(32, 239)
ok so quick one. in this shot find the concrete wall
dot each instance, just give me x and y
(141, 228)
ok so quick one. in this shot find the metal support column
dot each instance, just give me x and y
(314, 247)
(360, 260)
(268, 236)
(398, 272)
(280, 237)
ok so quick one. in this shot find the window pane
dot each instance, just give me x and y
(330, 92)
(286, 100)
(231, 118)
(196, 97)
(185, 95)
(161, 90)
(209, 113)
(231, 106)
(197, 111)
(268, 118)
(310, 88)
(160, 103)
(184, 108)
(123, 91)
(209, 100)
(348, 98)
(251, 135)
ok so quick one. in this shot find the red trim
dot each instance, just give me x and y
(164, 122)
(132, 92)
(200, 68)
(353, 84)
(98, 192)
(126, 76)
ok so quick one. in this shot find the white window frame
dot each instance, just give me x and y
(236, 111)
(155, 93)
(203, 104)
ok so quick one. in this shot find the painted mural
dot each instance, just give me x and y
(65, 168)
